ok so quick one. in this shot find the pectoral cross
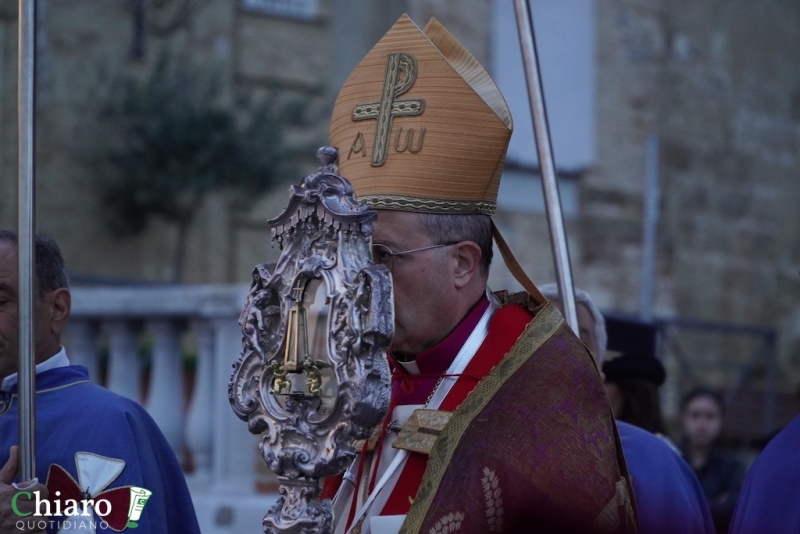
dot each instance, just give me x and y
(401, 72)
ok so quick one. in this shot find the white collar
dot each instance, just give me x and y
(59, 359)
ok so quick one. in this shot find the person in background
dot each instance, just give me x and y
(633, 374)
(90, 443)
(720, 473)
(770, 497)
(669, 497)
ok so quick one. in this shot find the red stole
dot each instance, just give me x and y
(505, 327)
(415, 389)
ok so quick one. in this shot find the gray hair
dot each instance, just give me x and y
(443, 228)
(51, 271)
(550, 291)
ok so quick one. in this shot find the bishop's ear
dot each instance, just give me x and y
(468, 258)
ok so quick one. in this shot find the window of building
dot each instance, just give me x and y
(300, 9)
(565, 38)
(521, 191)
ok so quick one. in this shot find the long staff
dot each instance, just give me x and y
(26, 86)
(547, 167)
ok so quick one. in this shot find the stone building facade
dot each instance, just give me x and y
(299, 48)
(716, 81)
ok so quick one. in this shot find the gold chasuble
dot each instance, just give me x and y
(517, 435)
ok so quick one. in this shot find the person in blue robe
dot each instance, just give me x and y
(100, 459)
(76, 416)
(770, 497)
(669, 497)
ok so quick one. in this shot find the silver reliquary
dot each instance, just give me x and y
(313, 377)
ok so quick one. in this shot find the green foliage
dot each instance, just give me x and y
(169, 142)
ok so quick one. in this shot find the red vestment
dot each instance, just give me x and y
(532, 445)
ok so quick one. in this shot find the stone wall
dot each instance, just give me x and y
(716, 81)
(83, 45)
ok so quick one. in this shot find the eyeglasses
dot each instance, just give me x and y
(384, 255)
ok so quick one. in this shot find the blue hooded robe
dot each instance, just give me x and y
(76, 418)
(770, 497)
(669, 498)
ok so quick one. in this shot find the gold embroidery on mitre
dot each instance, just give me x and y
(409, 144)
(429, 205)
(401, 72)
(359, 146)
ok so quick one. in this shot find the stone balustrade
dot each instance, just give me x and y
(107, 332)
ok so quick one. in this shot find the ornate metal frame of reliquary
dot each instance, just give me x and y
(313, 402)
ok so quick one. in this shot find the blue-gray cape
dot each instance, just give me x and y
(669, 498)
(74, 415)
(770, 498)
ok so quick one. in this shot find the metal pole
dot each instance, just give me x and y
(651, 200)
(552, 200)
(26, 103)
(772, 378)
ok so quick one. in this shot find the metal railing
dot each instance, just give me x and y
(730, 358)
